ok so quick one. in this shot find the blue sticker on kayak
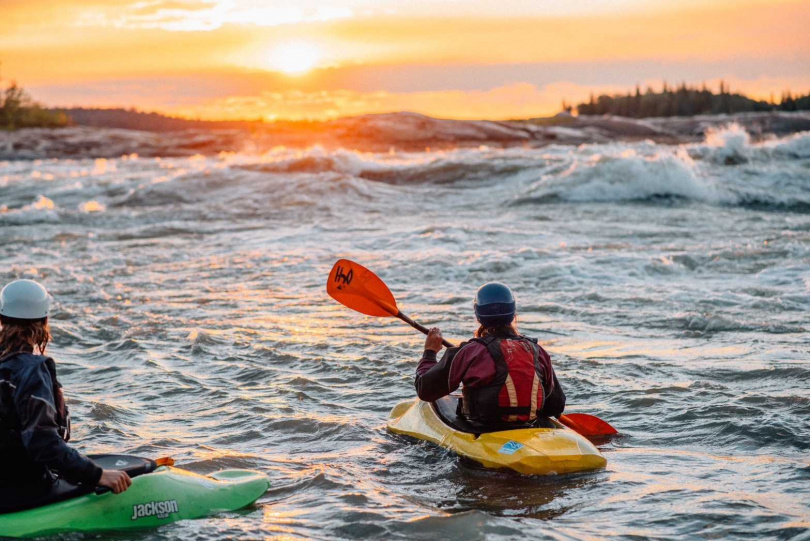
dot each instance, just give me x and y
(510, 448)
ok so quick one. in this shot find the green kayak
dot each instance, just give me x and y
(158, 495)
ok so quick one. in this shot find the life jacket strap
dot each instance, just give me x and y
(493, 345)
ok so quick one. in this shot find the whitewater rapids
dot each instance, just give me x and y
(671, 285)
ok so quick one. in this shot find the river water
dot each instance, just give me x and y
(671, 285)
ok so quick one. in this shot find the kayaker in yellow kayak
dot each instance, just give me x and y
(34, 421)
(507, 378)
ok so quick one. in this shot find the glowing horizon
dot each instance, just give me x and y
(246, 59)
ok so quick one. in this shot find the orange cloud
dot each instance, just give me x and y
(131, 38)
(220, 57)
(206, 15)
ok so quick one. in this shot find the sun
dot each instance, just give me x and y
(294, 58)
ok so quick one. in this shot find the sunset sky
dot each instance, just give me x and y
(447, 58)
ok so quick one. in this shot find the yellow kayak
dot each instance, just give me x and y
(530, 451)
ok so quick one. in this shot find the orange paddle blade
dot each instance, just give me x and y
(587, 425)
(356, 287)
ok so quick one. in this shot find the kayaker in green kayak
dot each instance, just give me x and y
(507, 378)
(34, 421)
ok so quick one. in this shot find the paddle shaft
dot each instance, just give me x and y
(420, 328)
(356, 287)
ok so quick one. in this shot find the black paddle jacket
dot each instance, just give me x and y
(34, 426)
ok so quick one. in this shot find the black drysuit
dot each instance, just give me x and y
(34, 429)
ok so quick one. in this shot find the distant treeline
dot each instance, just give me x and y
(131, 119)
(18, 110)
(685, 101)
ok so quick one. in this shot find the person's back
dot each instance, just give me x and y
(507, 378)
(34, 420)
(28, 385)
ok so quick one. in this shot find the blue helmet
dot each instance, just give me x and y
(494, 305)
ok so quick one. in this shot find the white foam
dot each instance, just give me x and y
(728, 145)
(625, 173)
(796, 146)
(42, 209)
(41, 203)
(92, 206)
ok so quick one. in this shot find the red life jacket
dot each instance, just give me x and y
(523, 378)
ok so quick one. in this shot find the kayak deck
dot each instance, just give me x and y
(530, 451)
(166, 495)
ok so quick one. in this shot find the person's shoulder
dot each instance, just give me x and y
(21, 358)
(26, 366)
(541, 349)
(471, 347)
(534, 341)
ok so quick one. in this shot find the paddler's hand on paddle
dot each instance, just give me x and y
(116, 480)
(434, 340)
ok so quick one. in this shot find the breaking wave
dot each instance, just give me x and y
(443, 167)
(622, 174)
(726, 169)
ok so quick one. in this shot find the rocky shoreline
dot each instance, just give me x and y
(381, 133)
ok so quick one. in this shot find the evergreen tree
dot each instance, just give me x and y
(684, 100)
(17, 110)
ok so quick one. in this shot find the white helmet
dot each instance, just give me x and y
(24, 299)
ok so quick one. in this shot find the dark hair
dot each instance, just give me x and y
(509, 329)
(23, 335)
